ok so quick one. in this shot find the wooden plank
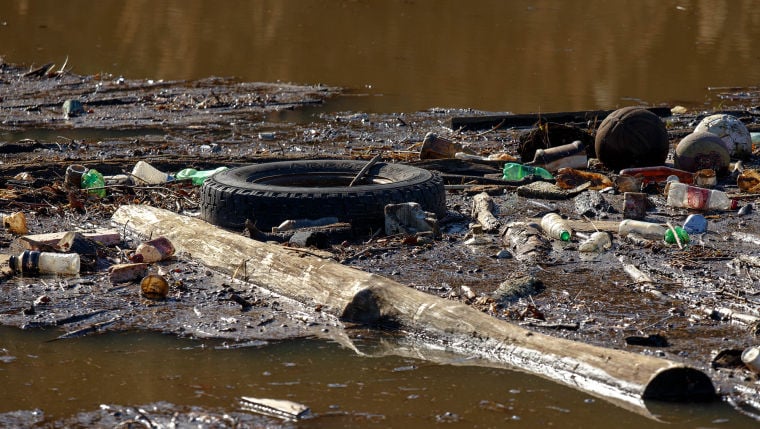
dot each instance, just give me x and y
(469, 123)
(360, 297)
(107, 237)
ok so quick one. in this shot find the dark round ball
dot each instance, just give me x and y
(632, 137)
(700, 150)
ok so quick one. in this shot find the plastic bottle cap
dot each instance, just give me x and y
(564, 236)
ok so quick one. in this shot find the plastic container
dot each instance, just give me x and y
(693, 197)
(149, 174)
(683, 236)
(571, 155)
(154, 250)
(751, 358)
(515, 172)
(33, 262)
(658, 174)
(596, 243)
(649, 230)
(197, 176)
(94, 182)
(556, 227)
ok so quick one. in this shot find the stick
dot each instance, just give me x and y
(366, 168)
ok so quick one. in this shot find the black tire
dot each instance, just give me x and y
(271, 193)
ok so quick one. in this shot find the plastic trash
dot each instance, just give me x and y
(34, 262)
(149, 174)
(596, 243)
(748, 180)
(670, 238)
(556, 227)
(649, 230)
(658, 174)
(197, 176)
(154, 250)
(751, 358)
(634, 205)
(571, 155)
(516, 172)
(695, 224)
(94, 182)
(16, 223)
(434, 147)
(693, 197)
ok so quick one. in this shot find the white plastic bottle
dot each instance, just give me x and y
(693, 197)
(556, 227)
(33, 262)
(652, 231)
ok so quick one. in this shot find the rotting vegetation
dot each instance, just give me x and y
(699, 308)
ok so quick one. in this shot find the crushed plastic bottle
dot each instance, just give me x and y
(94, 182)
(16, 223)
(693, 197)
(516, 172)
(34, 262)
(649, 230)
(556, 227)
(596, 243)
(197, 176)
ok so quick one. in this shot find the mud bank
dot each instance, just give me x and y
(174, 125)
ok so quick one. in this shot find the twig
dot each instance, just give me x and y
(494, 128)
(675, 234)
(365, 169)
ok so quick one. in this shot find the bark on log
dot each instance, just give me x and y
(482, 206)
(357, 296)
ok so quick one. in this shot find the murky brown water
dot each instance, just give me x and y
(343, 390)
(519, 56)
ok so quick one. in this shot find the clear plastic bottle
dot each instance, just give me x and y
(94, 182)
(514, 171)
(571, 155)
(556, 227)
(33, 262)
(693, 197)
(652, 231)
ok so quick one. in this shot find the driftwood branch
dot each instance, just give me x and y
(482, 206)
(359, 297)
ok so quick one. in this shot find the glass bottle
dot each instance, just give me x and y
(693, 197)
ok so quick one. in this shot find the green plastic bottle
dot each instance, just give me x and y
(198, 177)
(514, 171)
(682, 235)
(93, 181)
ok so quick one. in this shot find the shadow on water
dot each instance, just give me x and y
(64, 378)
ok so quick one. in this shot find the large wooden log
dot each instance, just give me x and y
(357, 296)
